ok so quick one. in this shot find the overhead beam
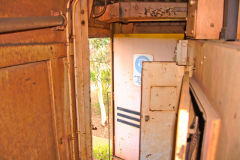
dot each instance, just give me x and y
(98, 29)
(144, 11)
(149, 27)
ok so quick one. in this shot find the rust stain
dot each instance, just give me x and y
(14, 55)
(28, 8)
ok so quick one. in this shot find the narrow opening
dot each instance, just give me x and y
(100, 71)
(195, 138)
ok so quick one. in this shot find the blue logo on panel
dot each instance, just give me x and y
(138, 63)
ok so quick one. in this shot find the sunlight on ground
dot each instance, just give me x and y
(100, 148)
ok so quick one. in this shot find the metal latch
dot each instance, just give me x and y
(147, 117)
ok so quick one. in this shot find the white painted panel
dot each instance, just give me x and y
(126, 93)
(159, 98)
(158, 126)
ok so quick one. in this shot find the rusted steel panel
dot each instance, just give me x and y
(61, 90)
(145, 11)
(27, 128)
(35, 102)
(212, 122)
(14, 24)
(150, 27)
(98, 32)
(205, 19)
(238, 26)
(35, 114)
(98, 29)
(28, 8)
(82, 80)
(38, 36)
(24, 8)
(14, 55)
(216, 73)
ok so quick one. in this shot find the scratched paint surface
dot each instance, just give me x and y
(34, 97)
(128, 95)
(29, 8)
(158, 123)
(26, 114)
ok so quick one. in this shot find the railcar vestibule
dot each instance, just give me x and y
(175, 83)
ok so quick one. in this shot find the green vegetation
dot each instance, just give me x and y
(100, 62)
(100, 72)
(100, 148)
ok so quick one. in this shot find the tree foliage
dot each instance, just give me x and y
(100, 70)
(100, 62)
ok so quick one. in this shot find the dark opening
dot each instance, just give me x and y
(195, 139)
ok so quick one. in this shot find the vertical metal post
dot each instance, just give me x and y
(109, 141)
(230, 20)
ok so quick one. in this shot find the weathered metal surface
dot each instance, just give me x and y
(216, 73)
(181, 52)
(211, 125)
(35, 101)
(27, 127)
(94, 32)
(33, 124)
(149, 27)
(230, 20)
(126, 138)
(97, 29)
(62, 103)
(162, 94)
(238, 26)
(145, 11)
(183, 120)
(29, 23)
(82, 79)
(158, 126)
(36, 36)
(204, 19)
(191, 19)
(14, 55)
(28, 8)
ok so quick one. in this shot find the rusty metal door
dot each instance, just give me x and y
(35, 110)
(161, 84)
(34, 103)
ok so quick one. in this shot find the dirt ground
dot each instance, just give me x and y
(102, 131)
